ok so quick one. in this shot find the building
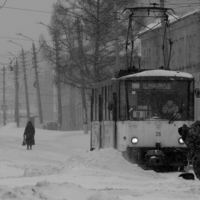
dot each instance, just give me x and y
(185, 50)
(72, 114)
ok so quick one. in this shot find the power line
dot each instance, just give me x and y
(75, 14)
(3, 4)
(30, 10)
(5, 37)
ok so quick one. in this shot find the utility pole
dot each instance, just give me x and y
(58, 81)
(16, 94)
(16, 70)
(26, 86)
(165, 43)
(25, 80)
(37, 84)
(4, 97)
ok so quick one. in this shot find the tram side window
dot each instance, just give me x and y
(106, 103)
(95, 105)
(100, 103)
(103, 102)
(123, 106)
(110, 99)
(133, 100)
(191, 102)
(100, 107)
(92, 106)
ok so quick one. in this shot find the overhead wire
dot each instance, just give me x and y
(51, 12)
(25, 9)
(69, 11)
(3, 4)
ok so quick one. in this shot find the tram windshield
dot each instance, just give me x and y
(165, 100)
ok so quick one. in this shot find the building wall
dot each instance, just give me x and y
(46, 91)
(185, 49)
(71, 108)
(71, 102)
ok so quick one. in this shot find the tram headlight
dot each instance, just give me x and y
(134, 140)
(180, 140)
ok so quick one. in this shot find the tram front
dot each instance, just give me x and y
(157, 103)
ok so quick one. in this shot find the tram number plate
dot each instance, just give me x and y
(138, 114)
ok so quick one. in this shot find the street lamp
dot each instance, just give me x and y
(12, 54)
(15, 43)
(44, 25)
(25, 80)
(4, 106)
(37, 79)
(25, 36)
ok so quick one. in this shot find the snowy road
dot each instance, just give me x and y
(61, 167)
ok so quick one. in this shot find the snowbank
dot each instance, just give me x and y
(107, 160)
(61, 167)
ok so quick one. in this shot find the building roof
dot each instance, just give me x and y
(157, 73)
(157, 24)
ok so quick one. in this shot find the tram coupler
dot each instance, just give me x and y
(155, 158)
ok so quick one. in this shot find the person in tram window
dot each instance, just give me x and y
(170, 108)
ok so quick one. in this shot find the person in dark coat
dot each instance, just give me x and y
(29, 134)
(191, 137)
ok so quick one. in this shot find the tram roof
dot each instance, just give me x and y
(157, 73)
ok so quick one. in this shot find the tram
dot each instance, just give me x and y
(139, 114)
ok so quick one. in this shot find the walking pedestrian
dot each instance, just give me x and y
(29, 135)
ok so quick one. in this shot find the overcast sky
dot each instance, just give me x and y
(21, 16)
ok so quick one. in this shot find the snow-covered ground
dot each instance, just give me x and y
(61, 167)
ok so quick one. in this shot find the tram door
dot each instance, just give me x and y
(115, 120)
(97, 119)
(106, 126)
(103, 115)
(107, 120)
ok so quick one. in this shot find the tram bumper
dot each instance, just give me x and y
(155, 158)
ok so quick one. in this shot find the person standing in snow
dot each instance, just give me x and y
(29, 134)
(191, 137)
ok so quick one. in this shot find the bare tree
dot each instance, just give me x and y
(91, 52)
(85, 31)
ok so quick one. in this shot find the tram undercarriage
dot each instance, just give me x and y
(167, 159)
